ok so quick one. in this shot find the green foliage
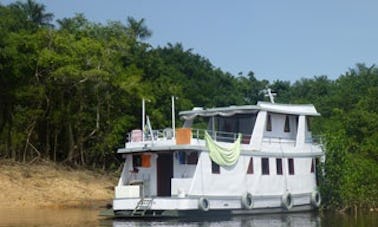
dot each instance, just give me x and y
(331, 184)
(351, 133)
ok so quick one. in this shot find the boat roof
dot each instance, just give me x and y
(293, 109)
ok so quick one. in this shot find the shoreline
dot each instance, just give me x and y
(49, 185)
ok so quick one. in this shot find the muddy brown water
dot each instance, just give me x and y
(90, 217)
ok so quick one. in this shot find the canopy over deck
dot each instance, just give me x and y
(294, 109)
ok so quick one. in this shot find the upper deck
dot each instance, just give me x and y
(265, 127)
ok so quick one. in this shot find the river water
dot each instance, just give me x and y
(89, 217)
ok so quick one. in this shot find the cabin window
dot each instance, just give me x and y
(312, 166)
(287, 124)
(250, 166)
(215, 168)
(291, 166)
(228, 127)
(181, 157)
(192, 158)
(137, 160)
(187, 158)
(269, 123)
(265, 166)
(279, 166)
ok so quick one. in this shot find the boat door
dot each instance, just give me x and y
(164, 174)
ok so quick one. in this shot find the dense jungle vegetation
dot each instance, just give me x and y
(69, 92)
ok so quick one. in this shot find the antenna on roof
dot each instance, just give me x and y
(173, 115)
(268, 93)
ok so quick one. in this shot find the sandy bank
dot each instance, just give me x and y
(49, 185)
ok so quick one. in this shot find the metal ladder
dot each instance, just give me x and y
(142, 206)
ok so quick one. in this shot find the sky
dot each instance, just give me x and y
(277, 40)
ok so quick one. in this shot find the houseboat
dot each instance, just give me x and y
(229, 160)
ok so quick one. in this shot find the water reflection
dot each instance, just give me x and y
(366, 218)
(272, 220)
(90, 217)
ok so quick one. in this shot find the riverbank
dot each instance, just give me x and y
(48, 185)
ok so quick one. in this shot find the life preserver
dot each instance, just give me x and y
(287, 201)
(247, 201)
(203, 204)
(316, 199)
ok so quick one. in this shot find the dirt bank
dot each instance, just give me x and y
(46, 184)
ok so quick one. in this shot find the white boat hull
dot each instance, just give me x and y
(169, 206)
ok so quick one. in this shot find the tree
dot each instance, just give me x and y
(138, 29)
(35, 13)
(251, 88)
(74, 24)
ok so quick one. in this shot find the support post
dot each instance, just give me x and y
(301, 132)
(173, 117)
(143, 117)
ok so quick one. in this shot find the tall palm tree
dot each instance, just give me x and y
(138, 29)
(35, 12)
(73, 24)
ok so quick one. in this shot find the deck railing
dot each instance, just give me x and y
(318, 139)
(219, 136)
(198, 134)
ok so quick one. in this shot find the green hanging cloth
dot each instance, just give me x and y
(221, 155)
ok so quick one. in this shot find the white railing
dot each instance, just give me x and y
(219, 136)
(279, 140)
(318, 139)
(198, 134)
(160, 134)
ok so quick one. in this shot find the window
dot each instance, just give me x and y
(137, 160)
(312, 166)
(250, 166)
(265, 166)
(236, 123)
(279, 166)
(269, 123)
(215, 168)
(181, 156)
(192, 158)
(287, 124)
(187, 158)
(291, 166)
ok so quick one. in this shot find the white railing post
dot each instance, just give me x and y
(173, 117)
(143, 117)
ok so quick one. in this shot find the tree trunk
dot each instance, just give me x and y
(12, 151)
(71, 144)
(82, 158)
(47, 142)
(55, 146)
